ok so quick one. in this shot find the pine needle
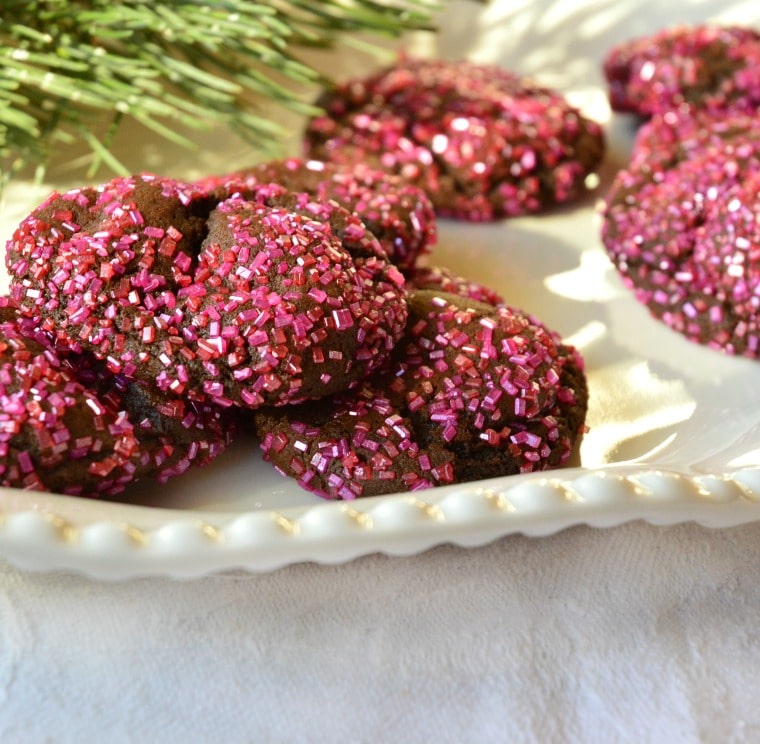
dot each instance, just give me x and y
(69, 68)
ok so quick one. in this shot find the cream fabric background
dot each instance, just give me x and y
(629, 634)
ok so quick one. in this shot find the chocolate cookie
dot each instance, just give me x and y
(397, 213)
(441, 279)
(473, 392)
(68, 426)
(700, 66)
(681, 227)
(270, 299)
(483, 142)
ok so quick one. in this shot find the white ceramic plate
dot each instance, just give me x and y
(675, 428)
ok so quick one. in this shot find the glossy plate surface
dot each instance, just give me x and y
(675, 428)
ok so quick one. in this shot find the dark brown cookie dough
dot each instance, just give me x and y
(483, 142)
(473, 392)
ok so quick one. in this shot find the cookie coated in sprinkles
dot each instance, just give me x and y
(63, 430)
(442, 279)
(684, 232)
(290, 302)
(706, 66)
(101, 267)
(483, 142)
(669, 138)
(474, 392)
(244, 303)
(398, 213)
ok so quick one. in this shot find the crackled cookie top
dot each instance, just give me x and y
(483, 142)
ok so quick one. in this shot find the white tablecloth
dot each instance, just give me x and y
(635, 633)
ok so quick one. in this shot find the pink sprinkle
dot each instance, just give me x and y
(25, 462)
(343, 319)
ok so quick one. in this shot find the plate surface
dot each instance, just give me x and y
(674, 428)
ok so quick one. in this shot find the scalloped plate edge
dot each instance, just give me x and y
(195, 544)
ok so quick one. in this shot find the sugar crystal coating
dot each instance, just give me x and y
(706, 66)
(473, 392)
(301, 293)
(681, 226)
(69, 427)
(270, 299)
(483, 142)
(398, 213)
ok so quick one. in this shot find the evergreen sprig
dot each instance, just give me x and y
(75, 69)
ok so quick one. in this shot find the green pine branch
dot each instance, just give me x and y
(69, 68)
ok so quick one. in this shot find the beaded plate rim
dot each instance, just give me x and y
(194, 544)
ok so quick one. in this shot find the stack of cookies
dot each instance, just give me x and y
(150, 319)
